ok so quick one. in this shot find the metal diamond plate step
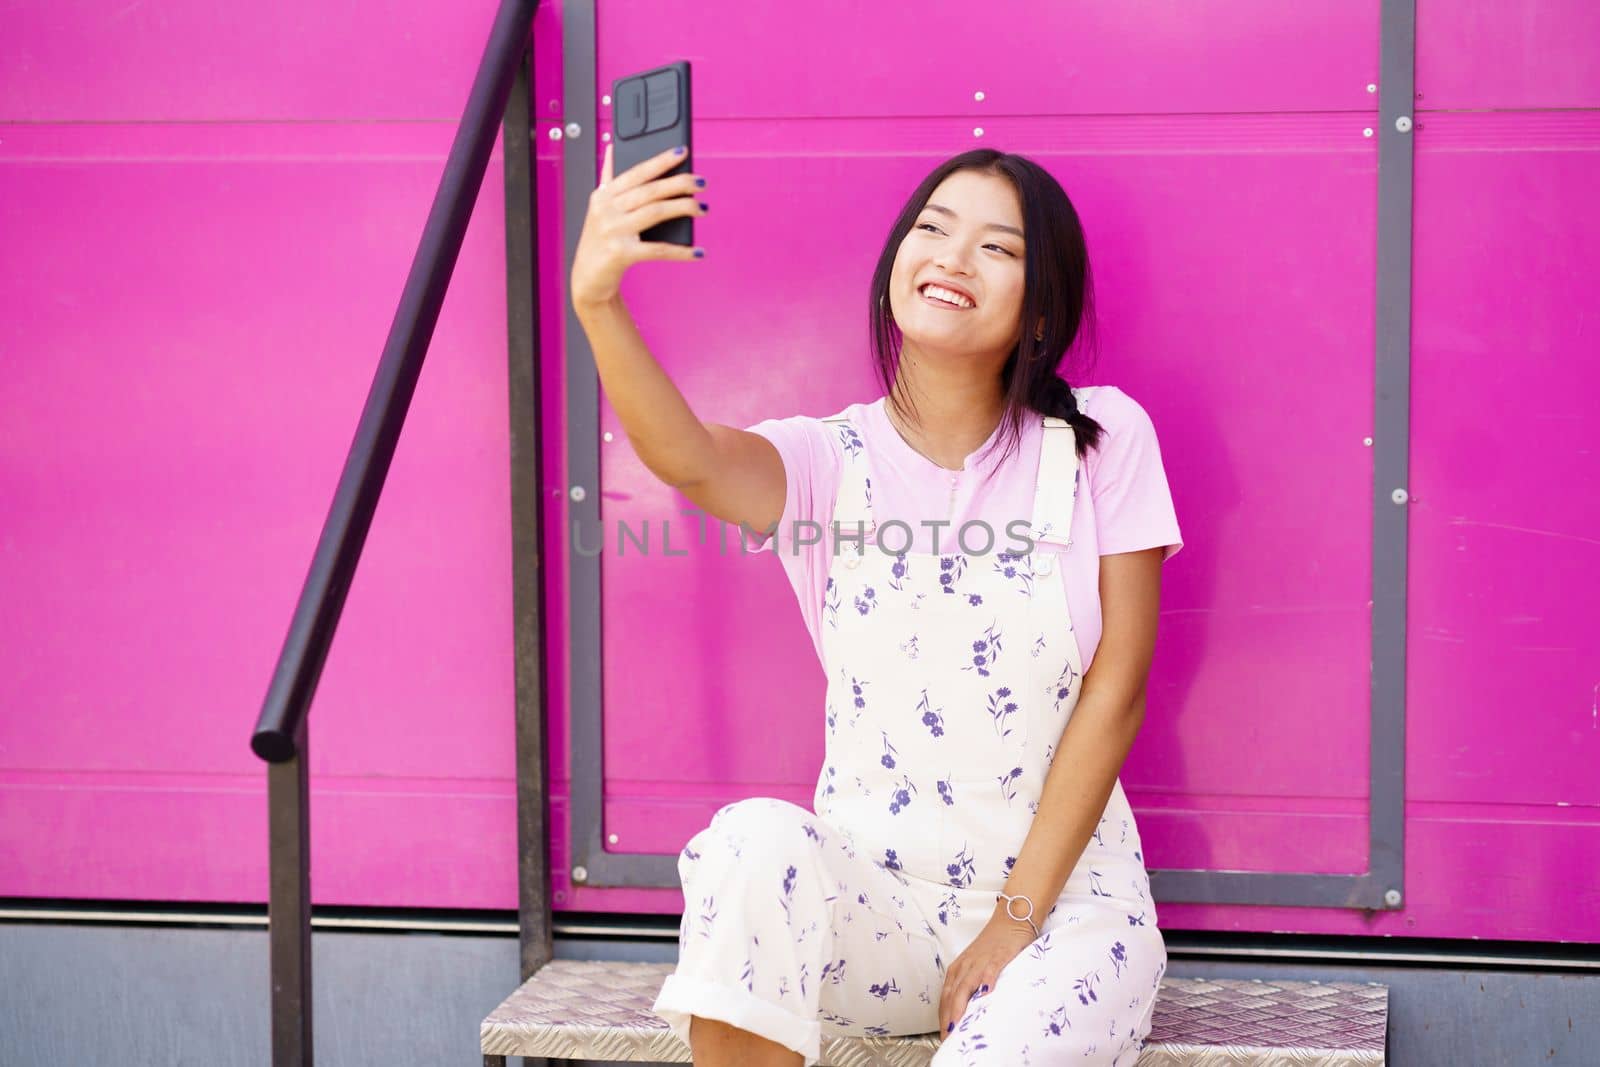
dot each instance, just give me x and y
(600, 1010)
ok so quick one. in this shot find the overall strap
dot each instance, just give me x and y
(1057, 489)
(852, 507)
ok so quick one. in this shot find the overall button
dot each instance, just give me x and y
(1046, 565)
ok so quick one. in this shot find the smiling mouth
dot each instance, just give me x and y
(941, 303)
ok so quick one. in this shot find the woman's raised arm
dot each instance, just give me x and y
(732, 474)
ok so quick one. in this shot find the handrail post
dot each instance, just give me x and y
(289, 905)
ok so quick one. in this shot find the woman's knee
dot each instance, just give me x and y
(755, 836)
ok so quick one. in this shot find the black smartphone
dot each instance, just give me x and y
(650, 114)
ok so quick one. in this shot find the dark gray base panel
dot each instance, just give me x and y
(84, 994)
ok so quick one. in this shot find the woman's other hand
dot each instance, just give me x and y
(975, 972)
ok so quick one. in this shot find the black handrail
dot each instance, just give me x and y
(305, 650)
(280, 733)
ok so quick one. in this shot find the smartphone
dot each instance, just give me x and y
(650, 114)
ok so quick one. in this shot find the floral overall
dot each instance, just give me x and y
(951, 677)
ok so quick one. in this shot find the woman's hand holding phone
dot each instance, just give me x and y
(620, 208)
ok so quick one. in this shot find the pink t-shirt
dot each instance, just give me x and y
(1128, 506)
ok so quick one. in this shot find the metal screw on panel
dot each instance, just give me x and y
(978, 95)
(1371, 88)
(606, 100)
(574, 130)
(1403, 123)
(1367, 132)
(580, 874)
(978, 132)
(611, 838)
(1399, 496)
(1365, 440)
(577, 492)
(1392, 898)
(555, 133)
(607, 436)
(605, 138)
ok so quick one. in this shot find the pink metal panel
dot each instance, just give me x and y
(1495, 54)
(188, 61)
(1504, 654)
(837, 58)
(1278, 547)
(189, 346)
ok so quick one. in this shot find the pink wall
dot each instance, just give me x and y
(211, 220)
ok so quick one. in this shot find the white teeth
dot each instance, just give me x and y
(946, 295)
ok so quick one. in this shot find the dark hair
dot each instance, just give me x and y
(1056, 286)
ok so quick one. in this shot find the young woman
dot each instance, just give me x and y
(977, 555)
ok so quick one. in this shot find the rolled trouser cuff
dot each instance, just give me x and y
(682, 996)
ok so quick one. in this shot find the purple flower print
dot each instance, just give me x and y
(1008, 784)
(832, 972)
(866, 601)
(850, 439)
(951, 568)
(748, 976)
(883, 989)
(1005, 564)
(930, 718)
(878, 1029)
(856, 688)
(830, 603)
(1038, 646)
(788, 895)
(974, 599)
(984, 651)
(945, 792)
(828, 773)
(1119, 956)
(1136, 920)
(1057, 1023)
(902, 796)
(949, 909)
(888, 752)
(804, 974)
(1011, 861)
(1084, 987)
(1096, 835)
(898, 572)
(1063, 687)
(1001, 709)
(961, 871)
(689, 853)
(708, 915)
(890, 860)
(867, 486)
(811, 832)
(1094, 884)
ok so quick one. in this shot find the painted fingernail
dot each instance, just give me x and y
(701, 182)
(949, 1027)
(699, 253)
(983, 989)
(704, 206)
(680, 150)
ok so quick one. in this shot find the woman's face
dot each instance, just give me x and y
(969, 238)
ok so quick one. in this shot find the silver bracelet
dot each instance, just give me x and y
(1027, 918)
